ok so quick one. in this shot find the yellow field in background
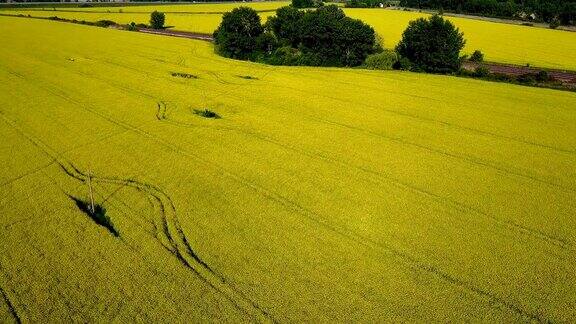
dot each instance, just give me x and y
(321, 195)
(505, 43)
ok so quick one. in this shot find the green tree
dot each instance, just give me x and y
(237, 34)
(335, 39)
(157, 20)
(302, 3)
(286, 25)
(432, 45)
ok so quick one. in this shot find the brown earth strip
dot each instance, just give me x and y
(567, 77)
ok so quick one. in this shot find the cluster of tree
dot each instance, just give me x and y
(322, 37)
(550, 11)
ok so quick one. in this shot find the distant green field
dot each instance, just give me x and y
(321, 195)
(500, 42)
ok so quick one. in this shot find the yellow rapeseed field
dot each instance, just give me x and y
(505, 43)
(320, 195)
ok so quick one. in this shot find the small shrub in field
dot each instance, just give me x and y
(105, 23)
(554, 23)
(381, 61)
(183, 75)
(206, 113)
(528, 78)
(477, 56)
(543, 76)
(132, 27)
(481, 72)
(248, 77)
(157, 20)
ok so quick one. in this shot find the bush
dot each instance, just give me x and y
(477, 56)
(381, 61)
(104, 23)
(402, 64)
(206, 113)
(481, 72)
(432, 45)
(543, 76)
(236, 36)
(131, 27)
(528, 78)
(157, 20)
(554, 23)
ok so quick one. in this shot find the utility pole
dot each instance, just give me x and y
(91, 194)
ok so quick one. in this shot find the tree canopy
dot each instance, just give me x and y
(432, 45)
(157, 20)
(236, 36)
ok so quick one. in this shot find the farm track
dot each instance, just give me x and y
(177, 33)
(566, 77)
(170, 229)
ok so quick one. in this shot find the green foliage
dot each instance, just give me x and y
(402, 64)
(554, 23)
(477, 56)
(381, 61)
(481, 72)
(362, 3)
(131, 27)
(302, 3)
(237, 34)
(286, 25)
(555, 12)
(157, 20)
(322, 37)
(104, 23)
(432, 45)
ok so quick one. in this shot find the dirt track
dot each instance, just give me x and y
(515, 70)
(176, 33)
